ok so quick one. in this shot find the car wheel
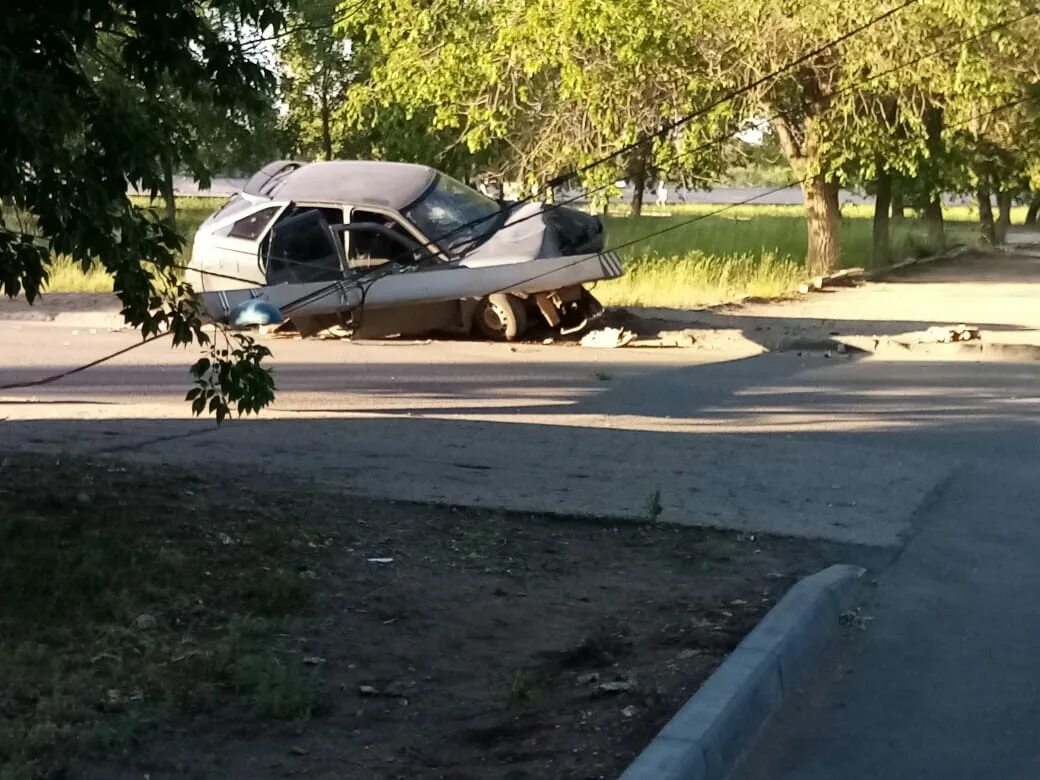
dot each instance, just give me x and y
(501, 317)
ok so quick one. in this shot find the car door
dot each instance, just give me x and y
(301, 247)
(226, 251)
(369, 249)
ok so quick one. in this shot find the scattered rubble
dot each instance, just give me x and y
(847, 277)
(608, 338)
(947, 334)
(616, 686)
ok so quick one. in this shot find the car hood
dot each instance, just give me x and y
(535, 230)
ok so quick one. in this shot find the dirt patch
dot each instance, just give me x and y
(162, 624)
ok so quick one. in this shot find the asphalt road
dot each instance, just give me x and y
(726, 434)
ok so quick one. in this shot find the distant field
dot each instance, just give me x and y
(746, 250)
(66, 276)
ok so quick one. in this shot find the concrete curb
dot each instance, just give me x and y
(949, 254)
(711, 732)
(894, 347)
(101, 320)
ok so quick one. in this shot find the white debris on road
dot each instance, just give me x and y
(608, 338)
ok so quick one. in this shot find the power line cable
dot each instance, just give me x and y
(319, 294)
(320, 27)
(63, 374)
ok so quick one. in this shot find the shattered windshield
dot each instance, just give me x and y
(453, 215)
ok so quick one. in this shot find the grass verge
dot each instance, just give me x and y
(697, 279)
(67, 276)
(755, 251)
(158, 623)
(124, 607)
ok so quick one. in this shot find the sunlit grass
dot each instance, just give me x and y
(697, 280)
(66, 276)
(689, 256)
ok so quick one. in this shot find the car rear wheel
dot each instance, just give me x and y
(501, 317)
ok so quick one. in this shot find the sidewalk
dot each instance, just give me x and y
(943, 678)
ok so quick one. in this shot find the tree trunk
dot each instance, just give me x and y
(933, 217)
(823, 219)
(833, 191)
(989, 230)
(1003, 216)
(823, 222)
(898, 201)
(326, 128)
(1033, 212)
(638, 184)
(169, 198)
(606, 205)
(934, 123)
(882, 204)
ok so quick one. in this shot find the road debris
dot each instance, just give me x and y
(948, 334)
(677, 338)
(847, 277)
(608, 338)
(617, 686)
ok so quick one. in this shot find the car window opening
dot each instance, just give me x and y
(303, 249)
(370, 249)
(253, 226)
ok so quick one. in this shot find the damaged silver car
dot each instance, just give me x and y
(393, 248)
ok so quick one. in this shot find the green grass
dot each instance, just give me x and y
(67, 276)
(755, 251)
(696, 279)
(130, 600)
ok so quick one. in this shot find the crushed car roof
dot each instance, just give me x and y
(356, 182)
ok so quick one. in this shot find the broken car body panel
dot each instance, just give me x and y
(321, 240)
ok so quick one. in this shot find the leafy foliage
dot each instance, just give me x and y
(101, 94)
(232, 375)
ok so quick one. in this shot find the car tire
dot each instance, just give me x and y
(501, 317)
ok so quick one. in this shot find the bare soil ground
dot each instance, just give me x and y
(166, 624)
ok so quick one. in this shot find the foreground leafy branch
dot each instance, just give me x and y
(92, 101)
(232, 375)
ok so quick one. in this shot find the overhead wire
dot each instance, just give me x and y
(707, 108)
(759, 196)
(319, 27)
(62, 375)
